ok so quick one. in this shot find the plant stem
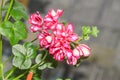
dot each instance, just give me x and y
(41, 62)
(1, 72)
(6, 18)
(0, 49)
(33, 40)
(10, 73)
(21, 75)
(1, 11)
(9, 9)
(1, 65)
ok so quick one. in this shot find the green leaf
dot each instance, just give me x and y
(95, 31)
(21, 63)
(18, 14)
(5, 28)
(16, 4)
(48, 62)
(86, 30)
(39, 58)
(51, 63)
(14, 32)
(59, 79)
(18, 50)
(30, 50)
(67, 79)
(37, 75)
(36, 78)
(23, 55)
(41, 67)
(86, 37)
(20, 30)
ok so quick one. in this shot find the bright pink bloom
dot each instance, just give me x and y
(51, 19)
(81, 50)
(57, 52)
(61, 43)
(37, 21)
(59, 49)
(65, 32)
(72, 60)
(59, 55)
(45, 39)
(34, 28)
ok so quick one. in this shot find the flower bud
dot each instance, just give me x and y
(81, 50)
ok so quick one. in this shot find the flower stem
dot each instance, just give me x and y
(0, 49)
(1, 65)
(1, 11)
(41, 62)
(33, 40)
(6, 18)
(21, 75)
(10, 73)
(9, 9)
(1, 71)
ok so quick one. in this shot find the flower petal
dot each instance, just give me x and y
(69, 28)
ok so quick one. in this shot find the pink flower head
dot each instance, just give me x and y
(66, 32)
(72, 60)
(59, 55)
(81, 50)
(45, 39)
(34, 28)
(51, 19)
(36, 20)
(59, 49)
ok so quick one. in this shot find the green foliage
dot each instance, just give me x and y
(48, 62)
(13, 31)
(37, 75)
(94, 31)
(15, 12)
(87, 31)
(18, 11)
(59, 79)
(23, 55)
(62, 79)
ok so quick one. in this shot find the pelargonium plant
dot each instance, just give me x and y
(57, 41)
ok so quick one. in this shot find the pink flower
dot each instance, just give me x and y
(81, 50)
(34, 28)
(72, 60)
(45, 39)
(59, 49)
(51, 19)
(59, 55)
(66, 32)
(36, 20)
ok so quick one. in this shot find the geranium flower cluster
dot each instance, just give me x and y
(57, 37)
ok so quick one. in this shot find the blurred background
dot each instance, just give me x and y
(104, 62)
